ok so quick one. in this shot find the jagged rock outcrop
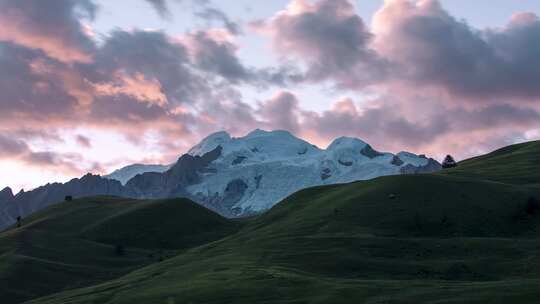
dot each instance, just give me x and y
(430, 167)
(396, 161)
(6, 199)
(223, 203)
(370, 152)
(26, 203)
(6, 195)
(124, 174)
(172, 182)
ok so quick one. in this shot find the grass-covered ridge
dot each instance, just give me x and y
(468, 235)
(89, 241)
(516, 164)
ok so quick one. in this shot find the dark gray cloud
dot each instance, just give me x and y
(412, 43)
(281, 112)
(30, 85)
(213, 14)
(161, 7)
(218, 57)
(330, 37)
(15, 149)
(202, 9)
(429, 47)
(383, 126)
(155, 56)
(10, 147)
(52, 26)
(83, 141)
(492, 116)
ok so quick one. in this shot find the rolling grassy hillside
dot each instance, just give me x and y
(467, 235)
(93, 240)
(516, 164)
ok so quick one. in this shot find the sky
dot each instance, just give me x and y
(94, 85)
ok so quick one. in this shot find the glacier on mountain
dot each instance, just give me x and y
(272, 165)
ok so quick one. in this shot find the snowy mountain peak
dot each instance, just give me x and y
(210, 143)
(274, 134)
(258, 132)
(346, 143)
(258, 145)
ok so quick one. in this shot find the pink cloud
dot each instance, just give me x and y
(329, 36)
(50, 26)
(428, 47)
(281, 112)
(19, 151)
(145, 90)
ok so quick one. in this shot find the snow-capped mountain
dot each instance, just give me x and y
(263, 168)
(232, 176)
(124, 174)
(254, 172)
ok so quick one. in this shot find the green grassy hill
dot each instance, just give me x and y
(89, 241)
(517, 164)
(467, 235)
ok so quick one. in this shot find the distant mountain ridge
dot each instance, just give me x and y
(124, 174)
(232, 176)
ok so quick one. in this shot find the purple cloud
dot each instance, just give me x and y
(54, 26)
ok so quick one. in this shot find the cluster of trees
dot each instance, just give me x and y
(449, 162)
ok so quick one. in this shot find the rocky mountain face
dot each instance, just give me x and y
(232, 176)
(172, 183)
(6, 195)
(26, 203)
(6, 198)
(123, 175)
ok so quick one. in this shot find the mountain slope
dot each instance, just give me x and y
(515, 164)
(433, 238)
(92, 240)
